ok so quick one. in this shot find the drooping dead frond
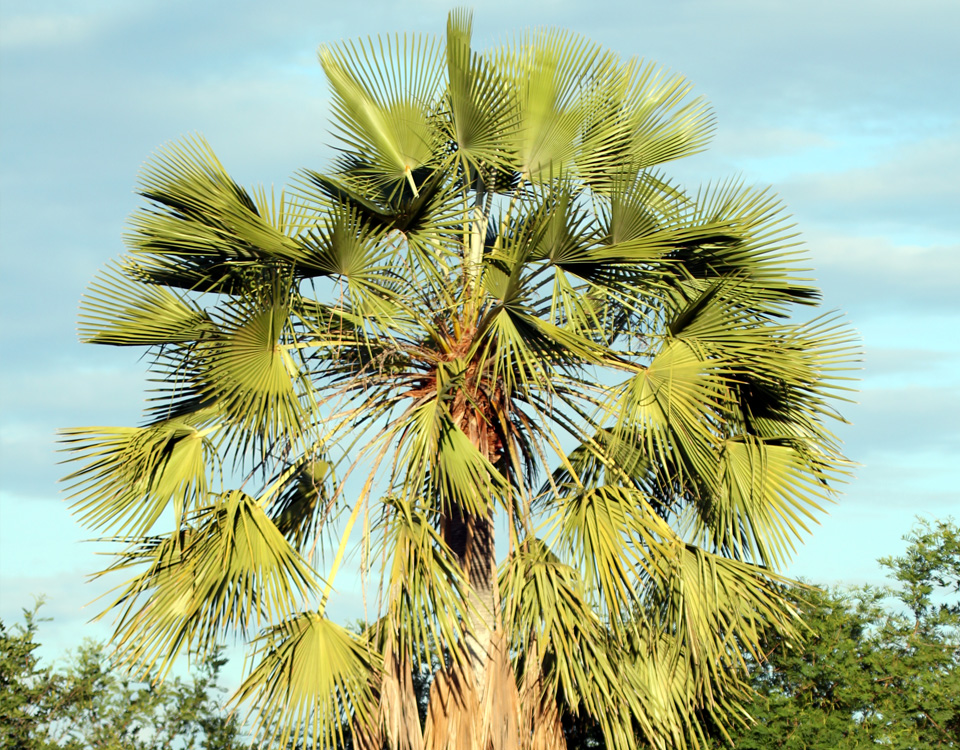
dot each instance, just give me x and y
(453, 713)
(398, 702)
(540, 727)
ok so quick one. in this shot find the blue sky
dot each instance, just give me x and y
(849, 110)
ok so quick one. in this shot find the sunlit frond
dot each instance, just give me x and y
(131, 475)
(714, 607)
(640, 116)
(120, 311)
(253, 372)
(544, 602)
(298, 508)
(425, 585)
(482, 109)
(670, 406)
(765, 256)
(550, 71)
(442, 462)
(228, 569)
(382, 90)
(308, 673)
(202, 231)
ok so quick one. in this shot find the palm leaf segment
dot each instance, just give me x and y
(493, 313)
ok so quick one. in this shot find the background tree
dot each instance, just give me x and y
(494, 312)
(28, 693)
(867, 675)
(88, 704)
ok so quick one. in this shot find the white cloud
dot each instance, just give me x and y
(262, 127)
(45, 30)
(36, 403)
(901, 424)
(911, 188)
(43, 27)
(74, 389)
(883, 364)
(758, 142)
(872, 274)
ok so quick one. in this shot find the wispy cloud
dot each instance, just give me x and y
(903, 422)
(876, 275)
(910, 190)
(46, 30)
(913, 363)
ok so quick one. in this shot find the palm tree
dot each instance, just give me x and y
(492, 333)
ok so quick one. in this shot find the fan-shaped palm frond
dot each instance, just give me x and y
(308, 673)
(124, 312)
(229, 568)
(382, 96)
(131, 475)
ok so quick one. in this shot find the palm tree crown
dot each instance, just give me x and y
(492, 332)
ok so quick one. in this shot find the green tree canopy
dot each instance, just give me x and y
(494, 324)
(87, 704)
(868, 674)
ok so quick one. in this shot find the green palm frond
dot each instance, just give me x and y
(308, 673)
(123, 312)
(443, 464)
(714, 607)
(831, 350)
(768, 494)
(673, 696)
(481, 108)
(547, 615)
(425, 585)
(229, 569)
(344, 248)
(641, 681)
(424, 221)
(426, 216)
(549, 71)
(605, 531)
(131, 475)
(202, 231)
(381, 91)
(544, 602)
(638, 117)
(669, 406)
(638, 205)
(253, 371)
(765, 256)
(297, 509)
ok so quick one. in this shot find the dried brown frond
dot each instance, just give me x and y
(540, 727)
(453, 712)
(500, 699)
(398, 702)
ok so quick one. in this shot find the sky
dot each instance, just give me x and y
(849, 110)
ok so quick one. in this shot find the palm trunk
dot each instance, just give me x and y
(474, 706)
(471, 538)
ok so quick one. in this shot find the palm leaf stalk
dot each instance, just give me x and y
(493, 331)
